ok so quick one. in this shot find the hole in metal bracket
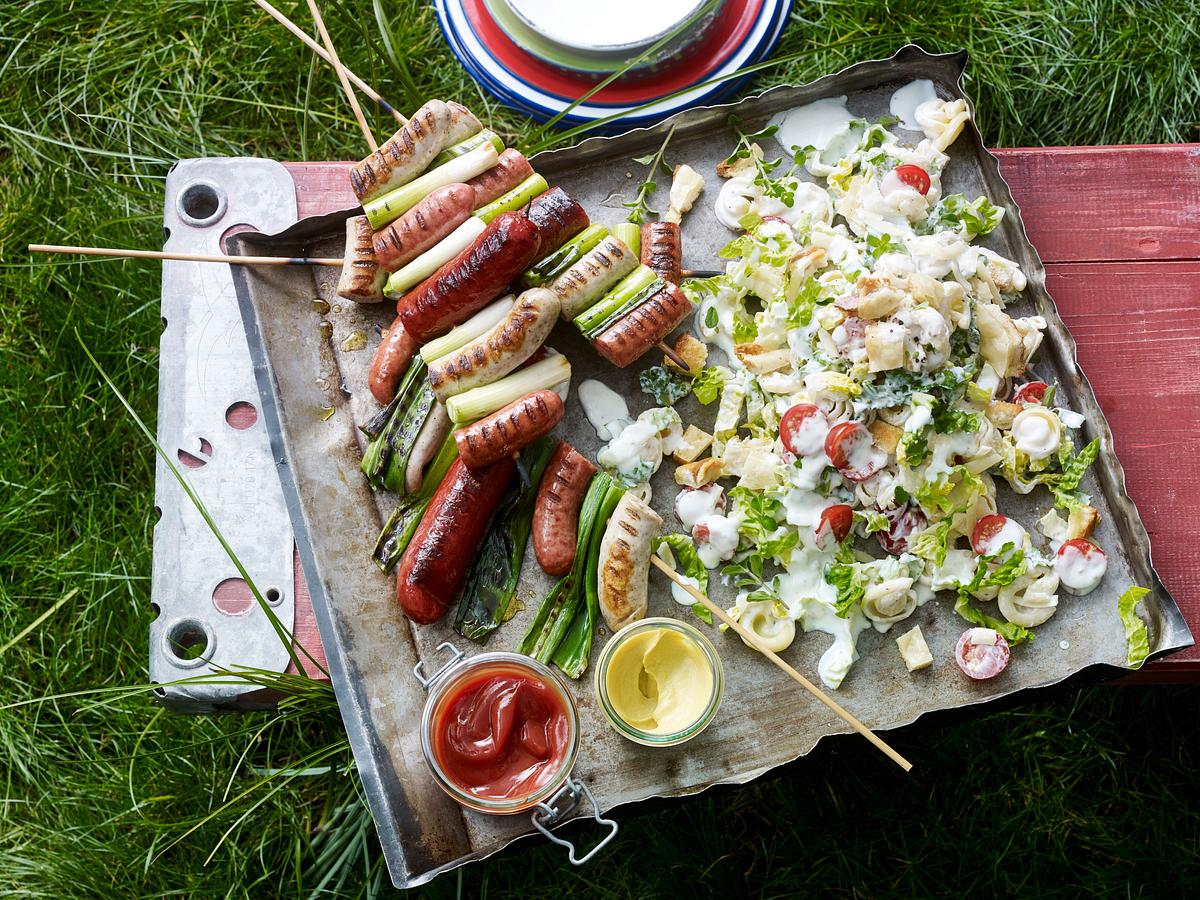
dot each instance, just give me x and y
(201, 203)
(232, 597)
(189, 642)
(241, 415)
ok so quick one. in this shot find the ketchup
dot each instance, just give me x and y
(502, 734)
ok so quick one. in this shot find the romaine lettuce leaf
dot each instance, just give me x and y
(1137, 637)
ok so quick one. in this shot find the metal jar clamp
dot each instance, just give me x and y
(549, 811)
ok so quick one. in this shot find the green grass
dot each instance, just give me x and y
(106, 795)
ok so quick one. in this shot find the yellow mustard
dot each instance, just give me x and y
(659, 681)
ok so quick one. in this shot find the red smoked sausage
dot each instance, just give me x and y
(662, 251)
(558, 216)
(390, 362)
(556, 512)
(473, 279)
(507, 430)
(634, 334)
(506, 174)
(432, 569)
(402, 241)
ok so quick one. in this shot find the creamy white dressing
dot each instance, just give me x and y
(691, 506)
(1079, 573)
(635, 454)
(1010, 533)
(1037, 432)
(804, 508)
(604, 408)
(720, 539)
(906, 99)
(813, 125)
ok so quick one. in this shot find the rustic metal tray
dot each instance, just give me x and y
(314, 394)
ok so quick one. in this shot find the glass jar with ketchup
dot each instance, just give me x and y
(500, 732)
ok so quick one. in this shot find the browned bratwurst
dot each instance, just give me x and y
(473, 279)
(511, 170)
(398, 244)
(406, 154)
(558, 216)
(662, 251)
(391, 359)
(634, 334)
(437, 558)
(556, 512)
(507, 430)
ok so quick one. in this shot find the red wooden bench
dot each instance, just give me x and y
(1119, 231)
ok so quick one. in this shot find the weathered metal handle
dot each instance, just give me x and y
(549, 814)
(419, 668)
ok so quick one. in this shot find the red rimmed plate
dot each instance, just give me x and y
(730, 30)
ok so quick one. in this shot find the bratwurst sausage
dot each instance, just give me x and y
(362, 278)
(432, 569)
(556, 511)
(498, 351)
(591, 278)
(662, 250)
(507, 430)
(398, 244)
(473, 279)
(632, 335)
(624, 570)
(407, 153)
(558, 217)
(511, 170)
(390, 362)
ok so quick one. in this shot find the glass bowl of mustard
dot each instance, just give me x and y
(659, 682)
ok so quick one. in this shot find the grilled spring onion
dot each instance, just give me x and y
(631, 236)
(394, 204)
(492, 581)
(572, 654)
(558, 608)
(402, 523)
(479, 402)
(550, 267)
(394, 429)
(463, 147)
(625, 296)
(400, 281)
(519, 196)
(475, 327)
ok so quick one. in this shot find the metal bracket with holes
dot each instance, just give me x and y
(209, 425)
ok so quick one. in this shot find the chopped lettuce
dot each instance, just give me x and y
(972, 217)
(1008, 569)
(953, 489)
(707, 385)
(931, 544)
(1136, 635)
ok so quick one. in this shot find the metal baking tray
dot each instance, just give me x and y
(314, 395)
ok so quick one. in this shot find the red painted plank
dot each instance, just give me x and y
(1124, 269)
(1108, 203)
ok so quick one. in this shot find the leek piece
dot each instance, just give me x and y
(402, 524)
(475, 327)
(463, 147)
(558, 608)
(394, 204)
(396, 426)
(627, 288)
(631, 236)
(479, 402)
(399, 282)
(572, 654)
(550, 267)
(625, 308)
(519, 196)
(492, 580)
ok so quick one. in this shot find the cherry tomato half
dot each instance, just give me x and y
(981, 660)
(987, 529)
(903, 522)
(915, 177)
(1086, 547)
(836, 520)
(852, 451)
(792, 432)
(1031, 392)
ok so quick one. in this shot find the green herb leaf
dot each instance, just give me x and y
(666, 386)
(702, 613)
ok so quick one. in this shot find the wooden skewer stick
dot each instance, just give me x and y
(341, 74)
(320, 51)
(752, 639)
(190, 257)
(674, 357)
(698, 273)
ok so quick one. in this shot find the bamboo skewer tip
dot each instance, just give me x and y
(752, 639)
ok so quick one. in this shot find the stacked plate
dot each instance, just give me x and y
(540, 56)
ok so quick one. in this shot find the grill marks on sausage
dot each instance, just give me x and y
(360, 280)
(423, 226)
(511, 169)
(556, 510)
(662, 250)
(641, 329)
(509, 429)
(598, 271)
(558, 217)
